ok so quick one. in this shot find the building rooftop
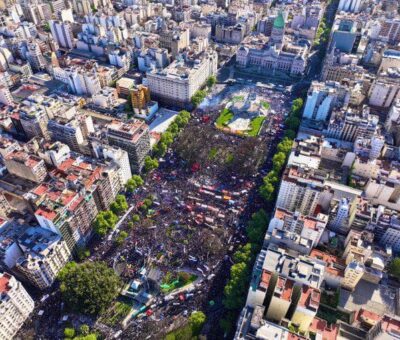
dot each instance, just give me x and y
(131, 131)
(4, 282)
(301, 269)
(23, 157)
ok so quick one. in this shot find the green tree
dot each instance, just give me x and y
(82, 253)
(173, 128)
(46, 27)
(121, 238)
(278, 161)
(297, 105)
(167, 138)
(135, 218)
(69, 333)
(257, 226)
(211, 81)
(160, 149)
(196, 321)
(133, 183)
(89, 287)
(150, 164)
(184, 114)
(267, 190)
(245, 253)
(285, 146)
(235, 289)
(84, 329)
(394, 267)
(104, 222)
(86, 337)
(180, 121)
(292, 122)
(228, 321)
(198, 97)
(290, 134)
(120, 205)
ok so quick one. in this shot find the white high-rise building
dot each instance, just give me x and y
(341, 215)
(322, 98)
(353, 6)
(298, 192)
(62, 33)
(79, 80)
(15, 306)
(117, 155)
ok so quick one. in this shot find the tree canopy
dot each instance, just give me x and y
(104, 222)
(394, 267)
(198, 97)
(211, 81)
(150, 164)
(121, 238)
(89, 287)
(133, 183)
(120, 205)
(196, 321)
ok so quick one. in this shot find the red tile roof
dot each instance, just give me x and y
(4, 280)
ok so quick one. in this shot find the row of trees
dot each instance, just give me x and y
(293, 121)
(106, 220)
(271, 180)
(235, 290)
(166, 139)
(199, 95)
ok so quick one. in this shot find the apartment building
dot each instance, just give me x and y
(230, 34)
(35, 57)
(385, 89)
(174, 40)
(117, 155)
(384, 192)
(132, 137)
(62, 34)
(300, 190)
(15, 306)
(352, 275)
(350, 124)
(295, 231)
(25, 165)
(322, 98)
(282, 298)
(5, 95)
(33, 120)
(179, 81)
(33, 254)
(81, 80)
(140, 97)
(124, 86)
(69, 202)
(67, 131)
(107, 98)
